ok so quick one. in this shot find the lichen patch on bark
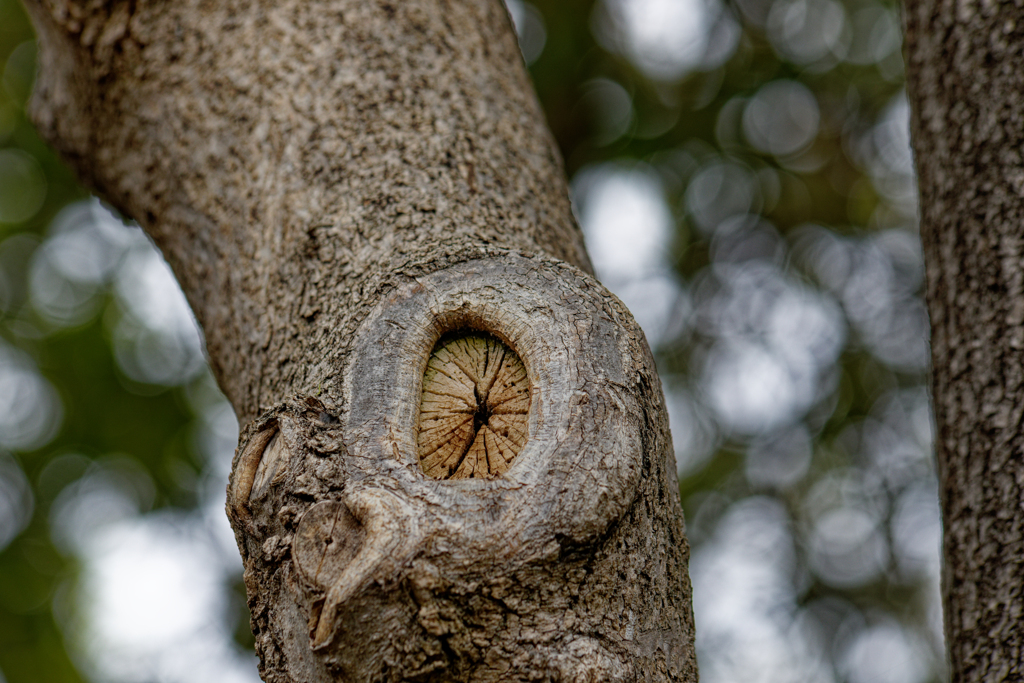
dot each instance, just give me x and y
(474, 410)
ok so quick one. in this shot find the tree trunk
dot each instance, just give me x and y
(455, 463)
(966, 83)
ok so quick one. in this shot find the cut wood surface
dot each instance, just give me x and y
(476, 402)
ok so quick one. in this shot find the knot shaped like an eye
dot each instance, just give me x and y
(475, 408)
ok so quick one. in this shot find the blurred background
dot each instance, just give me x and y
(742, 172)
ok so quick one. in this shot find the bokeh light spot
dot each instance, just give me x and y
(782, 118)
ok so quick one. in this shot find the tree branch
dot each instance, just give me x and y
(339, 187)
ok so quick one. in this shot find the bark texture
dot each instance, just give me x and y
(966, 83)
(339, 185)
(566, 568)
(288, 156)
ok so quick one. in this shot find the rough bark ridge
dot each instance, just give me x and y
(338, 185)
(966, 84)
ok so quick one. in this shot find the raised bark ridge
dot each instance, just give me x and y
(338, 185)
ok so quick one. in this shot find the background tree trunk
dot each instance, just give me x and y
(967, 95)
(338, 186)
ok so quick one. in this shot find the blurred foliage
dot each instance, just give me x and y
(766, 138)
(68, 411)
(776, 133)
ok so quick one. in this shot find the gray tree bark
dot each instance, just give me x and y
(455, 463)
(966, 83)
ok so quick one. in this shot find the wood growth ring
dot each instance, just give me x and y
(474, 410)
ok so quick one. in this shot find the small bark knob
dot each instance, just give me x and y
(326, 542)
